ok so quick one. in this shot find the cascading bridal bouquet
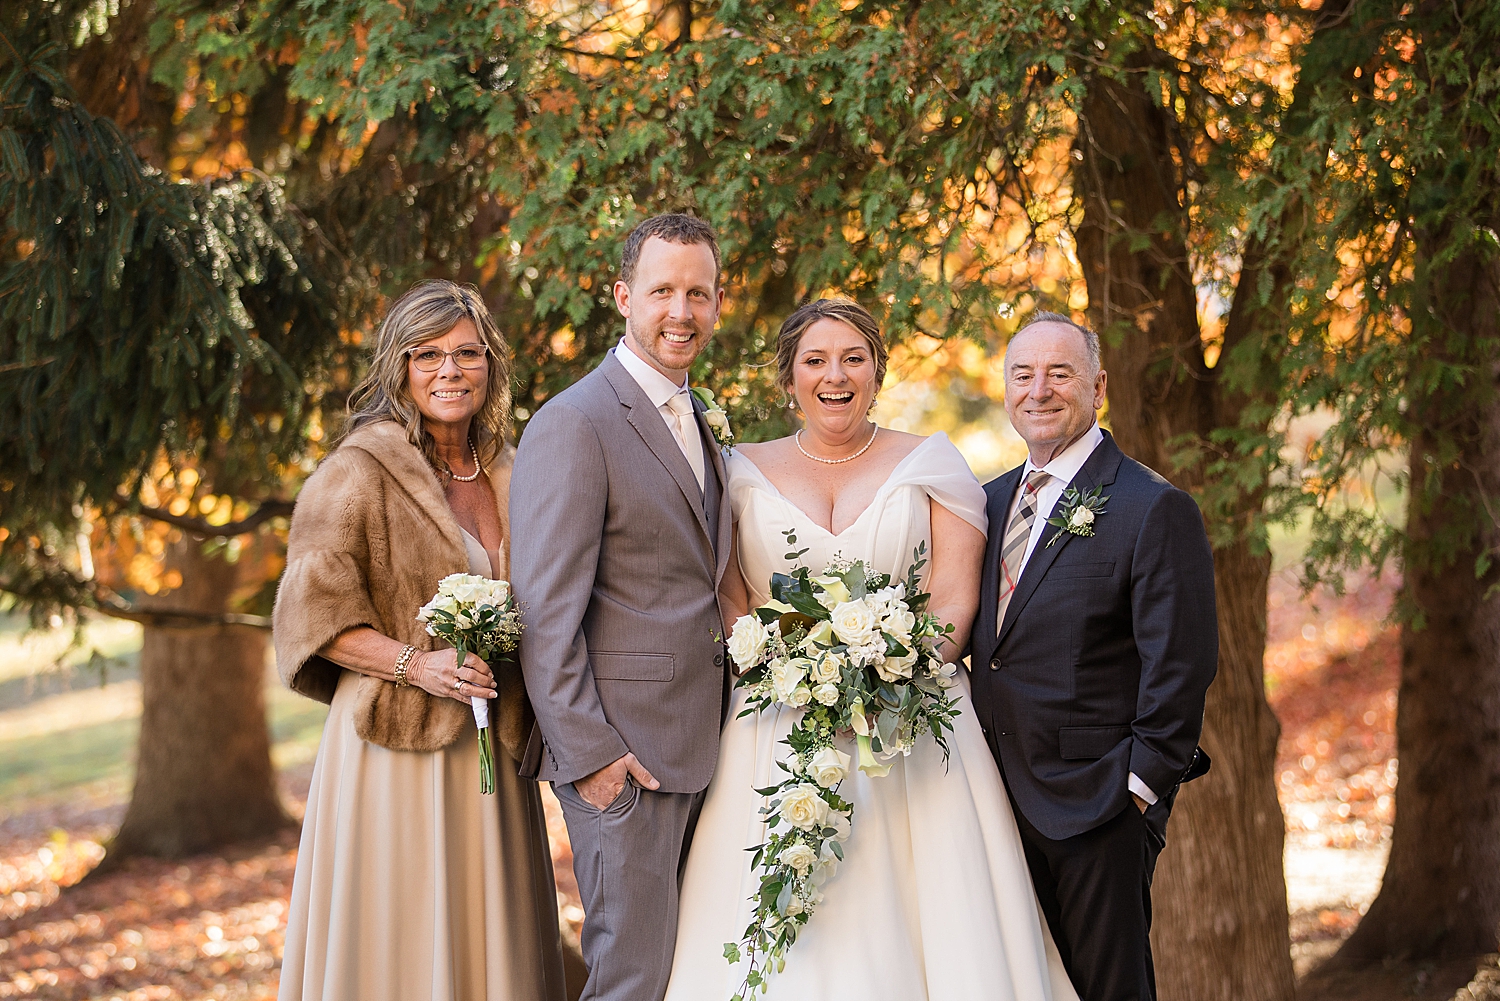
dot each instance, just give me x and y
(855, 653)
(476, 615)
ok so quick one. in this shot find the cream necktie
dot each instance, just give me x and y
(686, 426)
(1017, 536)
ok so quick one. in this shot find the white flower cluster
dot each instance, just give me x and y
(477, 609)
(856, 632)
(852, 652)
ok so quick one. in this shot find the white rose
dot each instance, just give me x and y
(835, 592)
(826, 694)
(747, 641)
(440, 603)
(786, 675)
(803, 807)
(799, 857)
(829, 767)
(1082, 517)
(799, 697)
(468, 589)
(499, 592)
(854, 623)
(793, 907)
(717, 420)
(899, 622)
(826, 669)
(895, 668)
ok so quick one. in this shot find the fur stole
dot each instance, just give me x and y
(371, 537)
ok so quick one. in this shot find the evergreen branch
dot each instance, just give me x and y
(198, 526)
(14, 366)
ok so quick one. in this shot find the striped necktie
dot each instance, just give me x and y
(1017, 535)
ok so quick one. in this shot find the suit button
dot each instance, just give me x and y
(718, 660)
(995, 664)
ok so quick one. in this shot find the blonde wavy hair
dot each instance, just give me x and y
(427, 311)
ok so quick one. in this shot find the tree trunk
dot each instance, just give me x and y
(1220, 927)
(1441, 894)
(203, 773)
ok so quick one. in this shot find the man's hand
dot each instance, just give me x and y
(603, 787)
(1140, 804)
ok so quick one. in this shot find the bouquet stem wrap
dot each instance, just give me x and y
(481, 709)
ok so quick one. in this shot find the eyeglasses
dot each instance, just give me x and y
(430, 359)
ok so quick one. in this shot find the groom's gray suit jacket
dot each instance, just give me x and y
(616, 557)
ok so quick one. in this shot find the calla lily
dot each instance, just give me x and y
(867, 760)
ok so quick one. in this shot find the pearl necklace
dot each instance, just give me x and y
(833, 462)
(478, 468)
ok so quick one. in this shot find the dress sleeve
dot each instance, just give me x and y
(946, 477)
(742, 478)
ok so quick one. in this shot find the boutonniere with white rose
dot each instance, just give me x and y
(718, 420)
(1078, 513)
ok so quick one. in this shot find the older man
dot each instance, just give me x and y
(1095, 642)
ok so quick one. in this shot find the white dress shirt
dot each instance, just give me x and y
(660, 390)
(1063, 467)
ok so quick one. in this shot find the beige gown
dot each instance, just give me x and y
(410, 884)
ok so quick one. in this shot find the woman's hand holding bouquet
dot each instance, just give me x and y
(481, 619)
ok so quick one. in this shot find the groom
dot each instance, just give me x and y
(620, 534)
(1092, 650)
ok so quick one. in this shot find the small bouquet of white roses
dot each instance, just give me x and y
(476, 615)
(856, 653)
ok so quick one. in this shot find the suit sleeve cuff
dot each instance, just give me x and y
(1141, 789)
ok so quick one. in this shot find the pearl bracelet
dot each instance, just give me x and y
(402, 663)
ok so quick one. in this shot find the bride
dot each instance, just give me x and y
(933, 900)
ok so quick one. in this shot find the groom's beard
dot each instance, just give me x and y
(665, 354)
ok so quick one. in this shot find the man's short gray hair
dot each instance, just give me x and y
(1090, 339)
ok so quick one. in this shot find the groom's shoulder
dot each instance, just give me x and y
(590, 397)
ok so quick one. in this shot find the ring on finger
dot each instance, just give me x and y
(458, 683)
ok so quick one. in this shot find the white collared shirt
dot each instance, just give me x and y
(1063, 467)
(659, 390)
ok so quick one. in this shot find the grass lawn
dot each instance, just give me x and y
(67, 739)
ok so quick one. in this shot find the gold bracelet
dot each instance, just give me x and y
(402, 663)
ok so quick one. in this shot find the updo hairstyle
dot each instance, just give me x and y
(845, 311)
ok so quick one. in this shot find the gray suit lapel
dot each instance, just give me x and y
(648, 423)
(725, 520)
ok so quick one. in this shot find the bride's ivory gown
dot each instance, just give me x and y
(933, 899)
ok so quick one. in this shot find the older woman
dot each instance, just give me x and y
(410, 884)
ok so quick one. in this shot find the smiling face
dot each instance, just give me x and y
(833, 378)
(450, 396)
(1052, 391)
(671, 305)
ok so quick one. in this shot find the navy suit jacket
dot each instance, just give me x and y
(1106, 651)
